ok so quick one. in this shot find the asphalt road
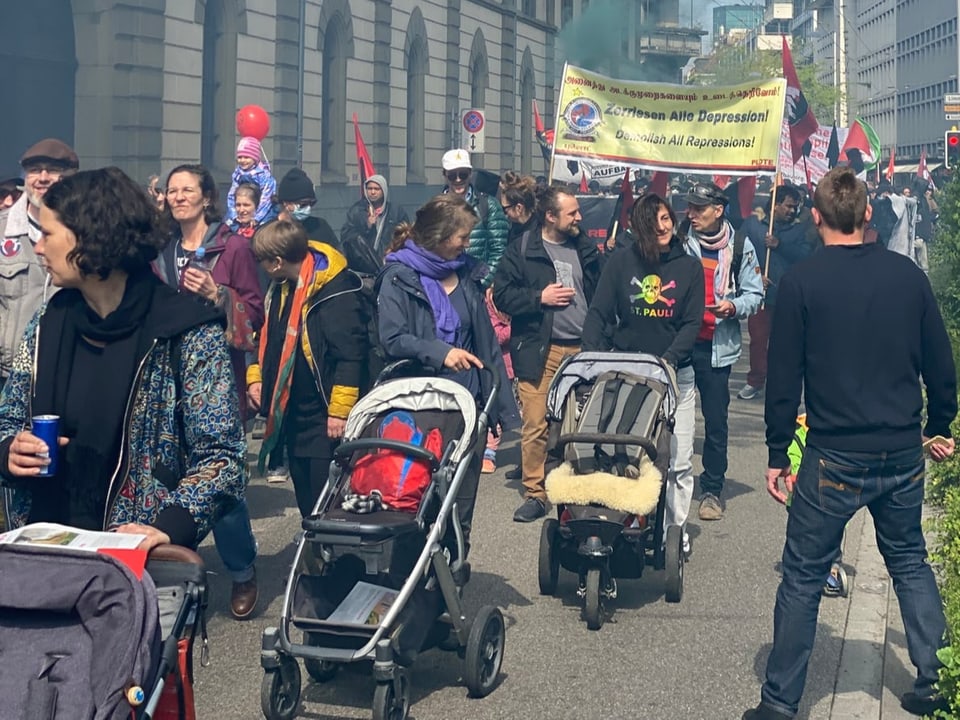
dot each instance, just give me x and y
(701, 659)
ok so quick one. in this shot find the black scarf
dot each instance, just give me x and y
(89, 460)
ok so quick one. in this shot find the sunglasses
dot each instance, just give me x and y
(506, 207)
(458, 176)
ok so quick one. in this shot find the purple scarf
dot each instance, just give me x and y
(432, 268)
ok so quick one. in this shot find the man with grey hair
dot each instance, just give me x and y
(22, 275)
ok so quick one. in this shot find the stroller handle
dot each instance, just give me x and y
(414, 368)
(344, 450)
(603, 439)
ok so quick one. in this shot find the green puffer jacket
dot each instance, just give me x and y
(488, 239)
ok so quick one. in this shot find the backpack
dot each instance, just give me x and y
(883, 220)
(399, 479)
(739, 238)
(618, 404)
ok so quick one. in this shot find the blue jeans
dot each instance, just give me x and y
(831, 486)
(713, 384)
(234, 539)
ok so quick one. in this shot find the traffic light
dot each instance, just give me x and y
(951, 148)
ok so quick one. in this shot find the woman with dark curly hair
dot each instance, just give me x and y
(651, 301)
(518, 199)
(231, 283)
(150, 436)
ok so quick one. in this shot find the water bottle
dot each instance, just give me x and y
(199, 259)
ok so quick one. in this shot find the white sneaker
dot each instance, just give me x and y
(749, 392)
(278, 475)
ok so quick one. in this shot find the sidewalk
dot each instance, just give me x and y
(875, 668)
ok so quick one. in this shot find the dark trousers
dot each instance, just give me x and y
(831, 486)
(759, 326)
(309, 476)
(713, 385)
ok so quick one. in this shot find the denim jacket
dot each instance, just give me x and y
(746, 298)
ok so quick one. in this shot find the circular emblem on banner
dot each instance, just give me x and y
(9, 247)
(473, 121)
(582, 116)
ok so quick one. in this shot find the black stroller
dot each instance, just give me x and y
(84, 639)
(386, 585)
(611, 420)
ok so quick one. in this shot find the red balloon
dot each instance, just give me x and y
(253, 121)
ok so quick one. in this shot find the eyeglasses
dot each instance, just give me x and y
(507, 207)
(458, 176)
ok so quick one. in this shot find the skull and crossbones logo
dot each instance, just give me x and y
(651, 290)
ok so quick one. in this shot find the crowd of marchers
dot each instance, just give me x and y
(159, 326)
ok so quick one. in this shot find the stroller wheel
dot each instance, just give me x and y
(484, 652)
(280, 691)
(593, 608)
(391, 700)
(673, 560)
(320, 671)
(548, 569)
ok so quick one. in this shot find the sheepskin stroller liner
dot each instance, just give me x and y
(611, 422)
(80, 635)
(419, 555)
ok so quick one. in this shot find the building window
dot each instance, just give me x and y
(528, 90)
(219, 94)
(333, 131)
(566, 12)
(479, 72)
(529, 8)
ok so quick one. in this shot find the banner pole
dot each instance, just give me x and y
(556, 128)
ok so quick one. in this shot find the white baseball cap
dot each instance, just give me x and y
(455, 159)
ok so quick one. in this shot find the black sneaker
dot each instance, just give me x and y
(514, 474)
(920, 705)
(764, 712)
(531, 509)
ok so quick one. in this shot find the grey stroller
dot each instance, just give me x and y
(387, 584)
(611, 418)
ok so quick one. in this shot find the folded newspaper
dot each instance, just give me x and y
(366, 604)
(64, 536)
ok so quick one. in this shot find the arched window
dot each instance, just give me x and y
(333, 97)
(417, 64)
(335, 45)
(479, 73)
(219, 85)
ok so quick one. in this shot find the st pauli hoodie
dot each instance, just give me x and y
(656, 310)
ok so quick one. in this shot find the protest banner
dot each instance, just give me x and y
(733, 130)
(817, 162)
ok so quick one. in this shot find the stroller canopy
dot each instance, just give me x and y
(414, 394)
(586, 367)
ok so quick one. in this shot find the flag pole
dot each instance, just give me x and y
(556, 128)
(773, 205)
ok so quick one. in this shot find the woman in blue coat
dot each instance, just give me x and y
(431, 309)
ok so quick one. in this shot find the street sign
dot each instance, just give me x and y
(473, 123)
(951, 106)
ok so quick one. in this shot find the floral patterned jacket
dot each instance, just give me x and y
(183, 444)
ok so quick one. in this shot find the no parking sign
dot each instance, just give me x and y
(473, 123)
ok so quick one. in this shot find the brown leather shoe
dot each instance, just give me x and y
(243, 598)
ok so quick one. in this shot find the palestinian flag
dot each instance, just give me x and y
(862, 140)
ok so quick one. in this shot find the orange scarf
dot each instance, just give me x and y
(281, 388)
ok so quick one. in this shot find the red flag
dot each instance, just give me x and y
(544, 137)
(583, 182)
(923, 172)
(746, 193)
(890, 168)
(802, 122)
(721, 181)
(363, 157)
(626, 199)
(659, 183)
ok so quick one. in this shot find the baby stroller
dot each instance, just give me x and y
(84, 639)
(611, 418)
(386, 584)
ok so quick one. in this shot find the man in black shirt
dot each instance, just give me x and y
(855, 328)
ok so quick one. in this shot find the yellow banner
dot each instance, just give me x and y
(733, 130)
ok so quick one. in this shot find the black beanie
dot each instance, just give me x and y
(295, 186)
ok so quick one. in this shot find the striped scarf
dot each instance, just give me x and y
(281, 387)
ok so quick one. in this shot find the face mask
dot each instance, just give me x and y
(301, 213)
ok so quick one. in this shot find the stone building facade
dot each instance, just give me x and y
(149, 84)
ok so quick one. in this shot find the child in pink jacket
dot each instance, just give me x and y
(501, 326)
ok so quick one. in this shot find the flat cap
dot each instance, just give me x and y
(53, 151)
